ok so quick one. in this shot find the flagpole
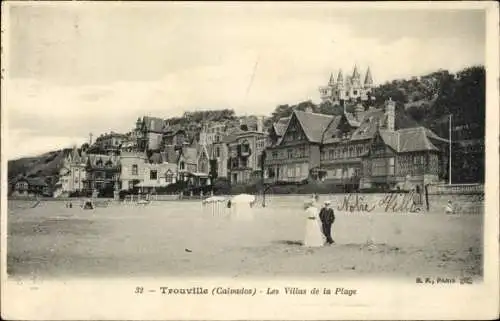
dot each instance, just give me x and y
(449, 146)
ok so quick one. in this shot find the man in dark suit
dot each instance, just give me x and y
(327, 217)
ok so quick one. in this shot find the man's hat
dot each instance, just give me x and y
(327, 202)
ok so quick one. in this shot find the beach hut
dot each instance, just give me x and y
(215, 205)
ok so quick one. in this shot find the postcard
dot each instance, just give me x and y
(249, 160)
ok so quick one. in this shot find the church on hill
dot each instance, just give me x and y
(348, 88)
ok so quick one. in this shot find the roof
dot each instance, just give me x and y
(207, 149)
(415, 139)
(190, 155)
(281, 125)
(324, 129)
(238, 133)
(411, 139)
(313, 124)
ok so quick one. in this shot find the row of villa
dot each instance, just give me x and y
(362, 149)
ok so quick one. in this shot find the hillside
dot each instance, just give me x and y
(46, 166)
(427, 100)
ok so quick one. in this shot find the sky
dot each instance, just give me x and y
(91, 68)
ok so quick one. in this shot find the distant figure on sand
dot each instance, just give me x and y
(449, 208)
(313, 237)
(327, 217)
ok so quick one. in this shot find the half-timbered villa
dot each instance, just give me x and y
(345, 150)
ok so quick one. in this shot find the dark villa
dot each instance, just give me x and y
(362, 149)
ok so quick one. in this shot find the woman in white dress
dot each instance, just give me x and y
(314, 236)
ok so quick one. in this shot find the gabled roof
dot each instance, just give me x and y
(353, 122)
(200, 150)
(391, 139)
(369, 124)
(281, 125)
(312, 124)
(189, 154)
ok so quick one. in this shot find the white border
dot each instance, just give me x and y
(377, 298)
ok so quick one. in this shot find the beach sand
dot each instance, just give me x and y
(179, 239)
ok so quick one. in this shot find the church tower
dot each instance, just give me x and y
(355, 74)
(340, 90)
(368, 79)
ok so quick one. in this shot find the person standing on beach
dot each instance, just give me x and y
(313, 236)
(327, 217)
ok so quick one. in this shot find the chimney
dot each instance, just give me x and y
(390, 113)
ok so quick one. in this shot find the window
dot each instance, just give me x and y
(291, 171)
(182, 166)
(418, 160)
(153, 175)
(244, 163)
(331, 154)
(245, 147)
(217, 152)
(169, 177)
(275, 155)
(355, 92)
(378, 167)
(290, 153)
(134, 170)
(391, 166)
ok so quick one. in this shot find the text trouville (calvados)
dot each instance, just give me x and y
(205, 291)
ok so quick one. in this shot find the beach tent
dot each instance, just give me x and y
(241, 207)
